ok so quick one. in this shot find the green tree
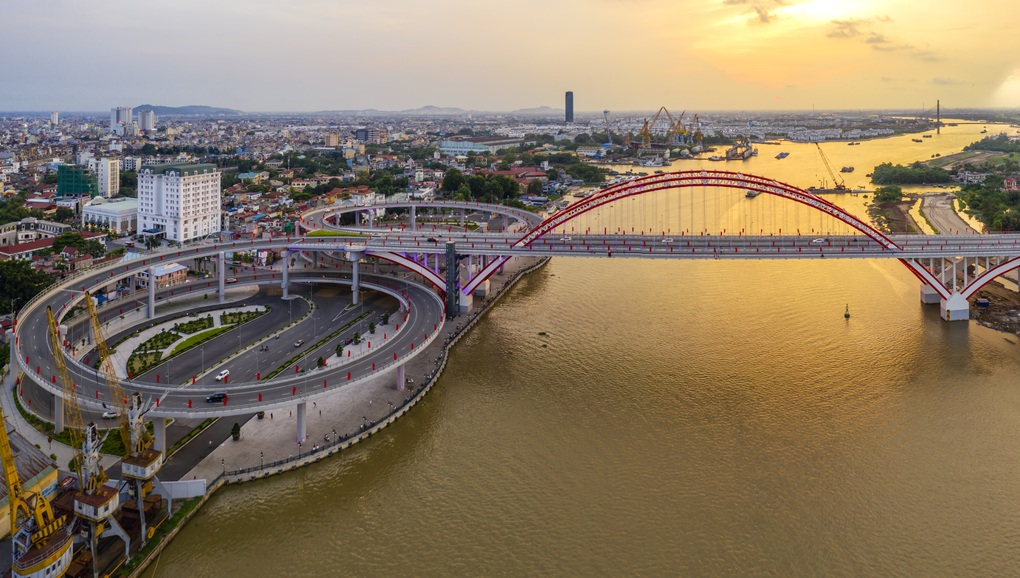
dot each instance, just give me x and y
(21, 283)
(371, 327)
(535, 188)
(357, 337)
(63, 215)
(339, 349)
(888, 194)
(452, 180)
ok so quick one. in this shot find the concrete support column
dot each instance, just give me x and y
(286, 272)
(159, 430)
(956, 308)
(302, 428)
(401, 377)
(371, 218)
(58, 413)
(315, 259)
(221, 276)
(500, 269)
(12, 361)
(464, 302)
(929, 295)
(152, 292)
(462, 212)
(355, 282)
(483, 289)
(414, 226)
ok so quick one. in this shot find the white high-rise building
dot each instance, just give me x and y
(120, 115)
(147, 120)
(54, 118)
(182, 200)
(108, 175)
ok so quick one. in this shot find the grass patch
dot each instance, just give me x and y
(198, 339)
(239, 316)
(159, 341)
(141, 361)
(194, 326)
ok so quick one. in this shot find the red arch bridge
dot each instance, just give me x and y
(951, 267)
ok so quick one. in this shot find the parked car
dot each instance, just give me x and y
(222, 375)
(218, 396)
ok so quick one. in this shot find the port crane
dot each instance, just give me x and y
(837, 181)
(42, 542)
(142, 461)
(95, 503)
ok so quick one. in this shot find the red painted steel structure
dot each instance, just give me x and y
(686, 179)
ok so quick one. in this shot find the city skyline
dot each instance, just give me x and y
(312, 56)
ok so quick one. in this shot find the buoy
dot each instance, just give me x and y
(846, 314)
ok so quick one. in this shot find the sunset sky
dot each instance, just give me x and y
(307, 55)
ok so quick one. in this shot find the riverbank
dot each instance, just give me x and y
(345, 406)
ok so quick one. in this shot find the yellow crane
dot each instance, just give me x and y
(94, 503)
(142, 461)
(42, 542)
(837, 181)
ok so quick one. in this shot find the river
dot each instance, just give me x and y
(671, 418)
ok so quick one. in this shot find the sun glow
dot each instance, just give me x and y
(816, 11)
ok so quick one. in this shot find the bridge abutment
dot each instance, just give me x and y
(464, 302)
(956, 308)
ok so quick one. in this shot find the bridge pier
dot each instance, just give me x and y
(414, 226)
(956, 308)
(151, 309)
(929, 295)
(464, 302)
(483, 289)
(355, 258)
(159, 432)
(221, 277)
(285, 257)
(302, 428)
(401, 377)
(12, 361)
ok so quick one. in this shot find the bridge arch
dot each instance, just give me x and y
(687, 179)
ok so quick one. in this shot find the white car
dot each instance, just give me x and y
(819, 241)
(667, 240)
(222, 375)
(111, 414)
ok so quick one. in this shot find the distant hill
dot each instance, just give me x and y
(538, 111)
(190, 110)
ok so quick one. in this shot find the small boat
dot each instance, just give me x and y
(926, 136)
(752, 194)
(846, 170)
(782, 156)
(916, 140)
(715, 158)
(984, 131)
(846, 314)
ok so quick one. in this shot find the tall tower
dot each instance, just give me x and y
(570, 106)
(938, 117)
(54, 118)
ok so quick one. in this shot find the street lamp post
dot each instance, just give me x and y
(262, 460)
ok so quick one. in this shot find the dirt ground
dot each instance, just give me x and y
(894, 216)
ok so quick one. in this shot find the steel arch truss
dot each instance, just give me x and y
(686, 179)
(413, 266)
